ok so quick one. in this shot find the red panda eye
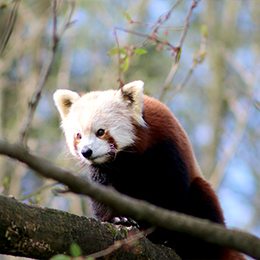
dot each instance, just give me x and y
(100, 132)
(79, 136)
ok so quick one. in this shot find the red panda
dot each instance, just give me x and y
(134, 143)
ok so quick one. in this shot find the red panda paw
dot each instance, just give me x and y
(124, 221)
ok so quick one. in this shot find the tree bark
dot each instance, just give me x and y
(36, 232)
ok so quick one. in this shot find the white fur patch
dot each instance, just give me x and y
(111, 110)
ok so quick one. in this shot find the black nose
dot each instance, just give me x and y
(86, 152)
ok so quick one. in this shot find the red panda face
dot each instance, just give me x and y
(97, 147)
(99, 124)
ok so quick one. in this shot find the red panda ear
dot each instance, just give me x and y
(63, 99)
(132, 95)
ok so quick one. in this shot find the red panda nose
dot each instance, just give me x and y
(86, 152)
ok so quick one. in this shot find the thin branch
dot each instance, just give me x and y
(139, 210)
(120, 79)
(162, 19)
(44, 72)
(171, 74)
(242, 116)
(151, 37)
(120, 243)
(187, 22)
(169, 28)
(148, 37)
(54, 32)
(180, 86)
(36, 97)
(37, 191)
(232, 146)
(199, 57)
(10, 26)
(175, 64)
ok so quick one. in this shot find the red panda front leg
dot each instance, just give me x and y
(125, 221)
(103, 213)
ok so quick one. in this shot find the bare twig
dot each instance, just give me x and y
(120, 243)
(37, 191)
(168, 28)
(153, 37)
(180, 86)
(54, 31)
(175, 64)
(139, 210)
(232, 146)
(187, 21)
(162, 19)
(148, 37)
(242, 116)
(44, 71)
(10, 26)
(199, 57)
(120, 79)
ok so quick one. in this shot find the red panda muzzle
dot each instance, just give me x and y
(86, 152)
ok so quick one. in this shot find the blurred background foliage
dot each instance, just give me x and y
(217, 107)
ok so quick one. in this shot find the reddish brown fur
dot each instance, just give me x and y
(109, 138)
(76, 141)
(202, 190)
(228, 254)
(163, 125)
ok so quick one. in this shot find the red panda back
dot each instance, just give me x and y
(163, 125)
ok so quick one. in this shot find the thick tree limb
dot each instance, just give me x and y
(139, 210)
(41, 233)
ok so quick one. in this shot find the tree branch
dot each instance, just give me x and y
(153, 37)
(241, 114)
(175, 64)
(35, 232)
(10, 26)
(44, 72)
(139, 210)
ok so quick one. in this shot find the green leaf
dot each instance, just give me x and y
(113, 51)
(204, 30)
(125, 64)
(140, 51)
(122, 56)
(60, 257)
(116, 50)
(5, 181)
(75, 250)
(128, 16)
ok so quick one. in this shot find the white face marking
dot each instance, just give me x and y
(111, 111)
(94, 111)
(99, 150)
